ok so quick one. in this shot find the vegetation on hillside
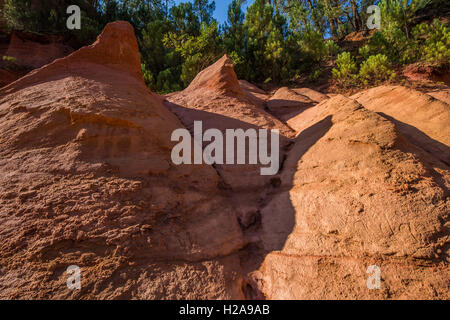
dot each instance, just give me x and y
(273, 41)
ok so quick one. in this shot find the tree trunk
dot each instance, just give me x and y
(356, 17)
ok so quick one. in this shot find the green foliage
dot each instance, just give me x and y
(429, 43)
(238, 61)
(331, 48)
(180, 45)
(51, 17)
(234, 31)
(147, 75)
(258, 23)
(315, 75)
(274, 41)
(167, 81)
(18, 16)
(89, 31)
(275, 50)
(312, 44)
(400, 13)
(376, 69)
(235, 36)
(204, 10)
(270, 49)
(345, 71)
(366, 50)
(393, 43)
(9, 59)
(198, 52)
(184, 20)
(302, 15)
(11, 63)
(435, 42)
(153, 52)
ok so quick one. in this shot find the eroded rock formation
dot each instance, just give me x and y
(216, 98)
(356, 192)
(86, 179)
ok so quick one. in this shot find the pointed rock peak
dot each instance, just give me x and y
(116, 46)
(219, 76)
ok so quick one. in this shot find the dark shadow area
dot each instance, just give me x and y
(252, 96)
(284, 103)
(287, 113)
(210, 120)
(269, 229)
(278, 225)
(288, 109)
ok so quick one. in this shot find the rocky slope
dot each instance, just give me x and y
(356, 192)
(86, 179)
(216, 98)
(421, 118)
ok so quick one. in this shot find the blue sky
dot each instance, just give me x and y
(221, 9)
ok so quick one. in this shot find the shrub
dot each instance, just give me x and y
(51, 17)
(393, 43)
(198, 52)
(345, 71)
(435, 41)
(315, 75)
(331, 48)
(166, 82)
(400, 13)
(365, 51)
(192, 66)
(376, 69)
(429, 43)
(312, 44)
(238, 62)
(11, 63)
(147, 76)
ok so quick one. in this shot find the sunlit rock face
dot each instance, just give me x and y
(87, 179)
